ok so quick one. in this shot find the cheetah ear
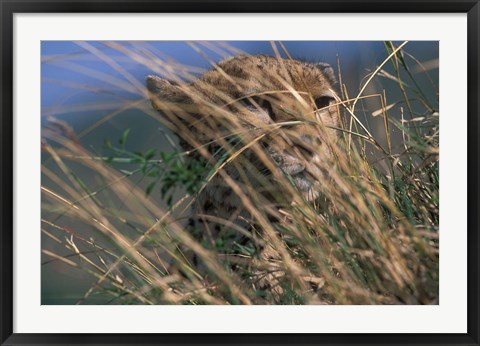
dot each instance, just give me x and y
(327, 70)
(162, 91)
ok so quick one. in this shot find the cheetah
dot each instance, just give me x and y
(255, 118)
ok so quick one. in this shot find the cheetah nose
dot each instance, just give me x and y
(311, 140)
(307, 144)
(306, 150)
(288, 163)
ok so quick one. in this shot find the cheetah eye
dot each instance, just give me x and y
(262, 103)
(323, 101)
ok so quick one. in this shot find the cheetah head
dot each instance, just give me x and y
(290, 103)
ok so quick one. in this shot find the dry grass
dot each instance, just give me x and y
(371, 237)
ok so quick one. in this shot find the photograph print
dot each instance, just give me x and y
(240, 172)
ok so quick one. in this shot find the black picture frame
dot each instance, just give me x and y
(11, 7)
